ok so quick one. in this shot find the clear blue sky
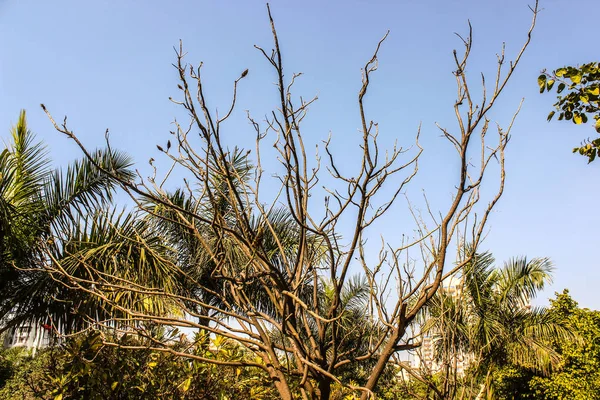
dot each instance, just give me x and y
(107, 64)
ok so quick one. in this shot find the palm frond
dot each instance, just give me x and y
(113, 247)
(520, 279)
(42, 208)
(355, 293)
(83, 187)
(30, 158)
(490, 318)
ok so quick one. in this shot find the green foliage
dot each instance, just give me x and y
(512, 382)
(491, 322)
(23, 170)
(10, 360)
(83, 368)
(25, 373)
(580, 102)
(49, 215)
(579, 375)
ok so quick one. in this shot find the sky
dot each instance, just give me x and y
(107, 64)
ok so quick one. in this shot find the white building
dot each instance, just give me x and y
(28, 334)
(424, 357)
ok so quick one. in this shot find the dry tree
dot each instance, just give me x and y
(277, 274)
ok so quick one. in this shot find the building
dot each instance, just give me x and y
(28, 334)
(424, 357)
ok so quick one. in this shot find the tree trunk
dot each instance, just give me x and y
(310, 390)
(324, 389)
(203, 319)
(281, 385)
(481, 392)
(385, 356)
(484, 385)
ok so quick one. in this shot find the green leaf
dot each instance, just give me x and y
(561, 87)
(187, 384)
(594, 91)
(584, 118)
(542, 82)
(560, 72)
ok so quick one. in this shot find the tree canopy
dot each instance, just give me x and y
(579, 103)
(487, 322)
(578, 377)
(282, 279)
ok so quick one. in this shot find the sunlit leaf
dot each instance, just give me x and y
(560, 72)
(594, 91)
(542, 82)
(186, 384)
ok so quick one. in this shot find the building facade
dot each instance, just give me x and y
(424, 358)
(28, 334)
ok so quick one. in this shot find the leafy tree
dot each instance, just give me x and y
(23, 171)
(490, 323)
(83, 368)
(580, 102)
(49, 217)
(579, 374)
(10, 360)
(513, 382)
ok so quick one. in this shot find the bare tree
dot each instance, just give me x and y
(276, 275)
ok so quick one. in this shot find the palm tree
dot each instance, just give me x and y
(23, 170)
(116, 249)
(491, 323)
(45, 214)
(210, 258)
